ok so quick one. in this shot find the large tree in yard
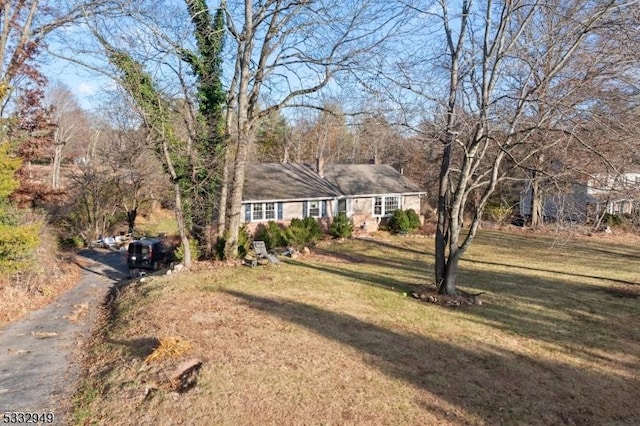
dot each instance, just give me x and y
(502, 94)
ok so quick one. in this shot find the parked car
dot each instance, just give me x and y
(147, 253)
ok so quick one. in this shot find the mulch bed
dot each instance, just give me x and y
(429, 294)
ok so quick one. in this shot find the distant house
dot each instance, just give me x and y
(367, 193)
(586, 201)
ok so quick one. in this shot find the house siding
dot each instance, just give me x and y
(362, 206)
(292, 210)
(411, 202)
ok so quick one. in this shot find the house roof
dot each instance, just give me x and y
(369, 179)
(275, 181)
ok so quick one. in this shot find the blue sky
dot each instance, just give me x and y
(86, 85)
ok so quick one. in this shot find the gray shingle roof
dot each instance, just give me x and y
(275, 181)
(369, 179)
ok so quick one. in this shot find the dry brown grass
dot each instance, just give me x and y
(49, 275)
(330, 339)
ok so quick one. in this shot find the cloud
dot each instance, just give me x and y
(86, 89)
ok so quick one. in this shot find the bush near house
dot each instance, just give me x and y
(341, 226)
(272, 233)
(244, 244)
(414, 219)
(499, 213)
(301, 232)
(194, 250)
(612, 220)
(403, 221)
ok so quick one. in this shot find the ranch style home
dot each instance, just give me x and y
(367, 193)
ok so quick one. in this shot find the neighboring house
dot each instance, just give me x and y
(367, 193)
(615, 195)
(585, 202)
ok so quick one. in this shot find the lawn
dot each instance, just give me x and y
(329, 338)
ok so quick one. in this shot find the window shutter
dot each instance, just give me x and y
(247, 212)
(324, 208)
(304, 208)
(279, 213)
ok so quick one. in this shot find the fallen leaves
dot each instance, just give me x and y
(170, 347)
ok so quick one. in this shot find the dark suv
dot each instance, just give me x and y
(148, 253)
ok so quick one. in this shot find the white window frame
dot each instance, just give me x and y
(270, 212)
(254, 211)
(265, 212)
(383, 205)
(347, 206)
(319, 207)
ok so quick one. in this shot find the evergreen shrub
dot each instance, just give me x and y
(341, 226)
(399, 222)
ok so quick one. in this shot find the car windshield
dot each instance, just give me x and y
(138, 249)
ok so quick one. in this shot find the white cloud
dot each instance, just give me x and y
(86, 89)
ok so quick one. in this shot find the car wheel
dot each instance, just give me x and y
(155, 266)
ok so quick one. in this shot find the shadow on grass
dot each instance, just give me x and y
(379, 243)
(490, 385)
(373, 279)
(583, 318)
(529, 268)
(593, 248)
(404, 264)
(138, 348)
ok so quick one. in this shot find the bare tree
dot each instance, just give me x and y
(287, 50)
(133, 167)
(71, 124)
(494, 106)
(24, 25)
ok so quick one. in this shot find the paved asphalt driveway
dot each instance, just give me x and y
(39, 368)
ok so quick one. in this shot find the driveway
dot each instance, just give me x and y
(39, 355)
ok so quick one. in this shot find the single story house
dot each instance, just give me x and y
(367, 193)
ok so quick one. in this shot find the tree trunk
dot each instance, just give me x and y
(223, 198)
(537, 203)
(57, 159)
(131, 219)
(442, 228)
(596, 227)
(244, 136)
(182, 228)
(448, 286)
(235, 205)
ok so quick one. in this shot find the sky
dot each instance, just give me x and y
(86, 85)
